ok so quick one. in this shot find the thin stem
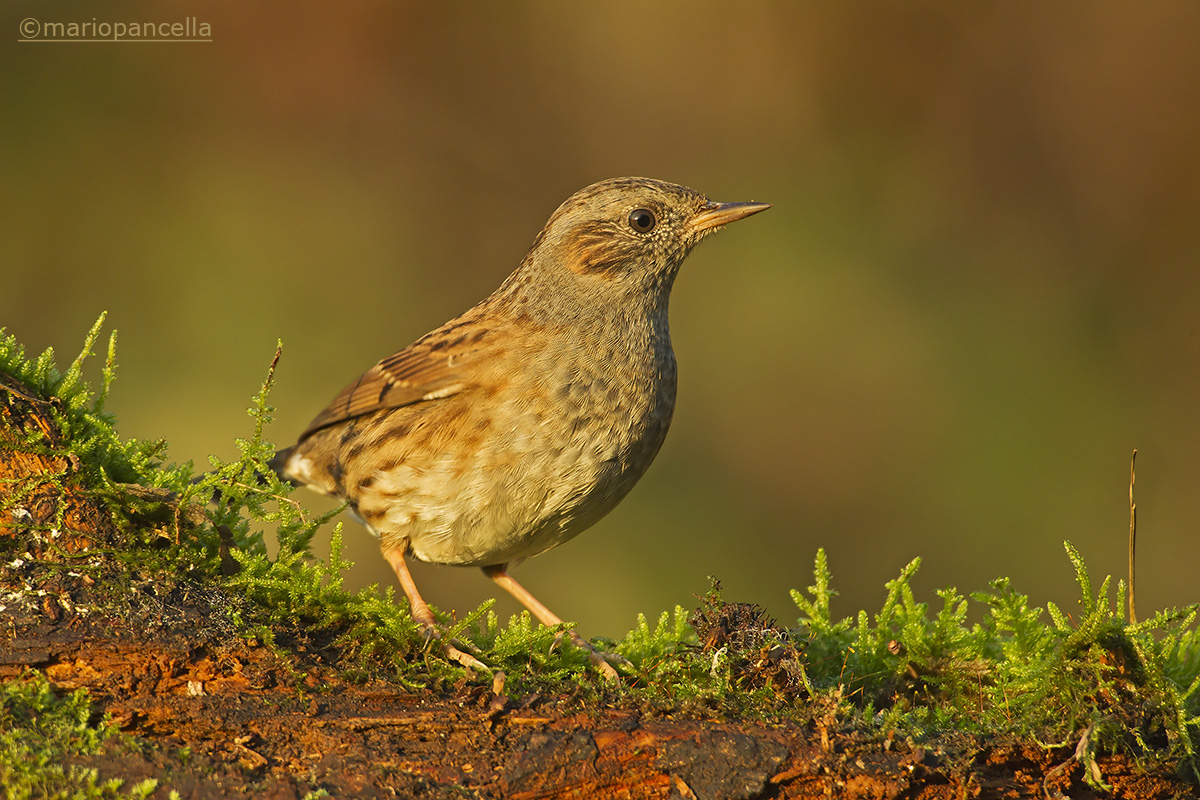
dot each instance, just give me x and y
(1132, 541)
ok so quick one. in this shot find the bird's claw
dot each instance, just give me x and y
(452, 653)
(605, 662)
(467, 660)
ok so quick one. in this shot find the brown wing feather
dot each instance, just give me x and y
(430, 369)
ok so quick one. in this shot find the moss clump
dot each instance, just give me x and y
(1096, 684)
(40, 730)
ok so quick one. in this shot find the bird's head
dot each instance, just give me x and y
(622, 237)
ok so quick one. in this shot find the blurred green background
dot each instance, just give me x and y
(978, 290)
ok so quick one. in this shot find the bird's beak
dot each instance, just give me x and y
(714, 215)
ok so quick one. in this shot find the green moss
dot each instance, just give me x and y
(104, 458)
(1094, 683)
(40, 730)
(1097, 684)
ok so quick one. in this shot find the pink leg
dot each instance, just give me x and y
(499, 573)
(422, 613)
(420, 609)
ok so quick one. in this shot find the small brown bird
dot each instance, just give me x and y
(511, 429)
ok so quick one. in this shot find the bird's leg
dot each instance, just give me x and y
(598, 659)
(423, 614)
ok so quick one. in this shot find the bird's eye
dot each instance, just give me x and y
(642, 220)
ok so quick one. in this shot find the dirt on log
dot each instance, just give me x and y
(217, 714)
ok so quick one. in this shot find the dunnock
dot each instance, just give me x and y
(511, 429)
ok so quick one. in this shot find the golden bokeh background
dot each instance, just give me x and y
(978, 291)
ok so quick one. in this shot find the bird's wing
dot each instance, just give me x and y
(435, 367)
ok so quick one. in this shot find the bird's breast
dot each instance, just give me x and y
(616, 412)
(548, 444)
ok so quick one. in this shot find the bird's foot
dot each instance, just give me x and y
(450, 649)
(467, 660)
(605, 662)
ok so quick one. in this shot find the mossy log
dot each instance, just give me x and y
(215, 713)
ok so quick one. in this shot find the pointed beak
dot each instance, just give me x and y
(714, 215)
